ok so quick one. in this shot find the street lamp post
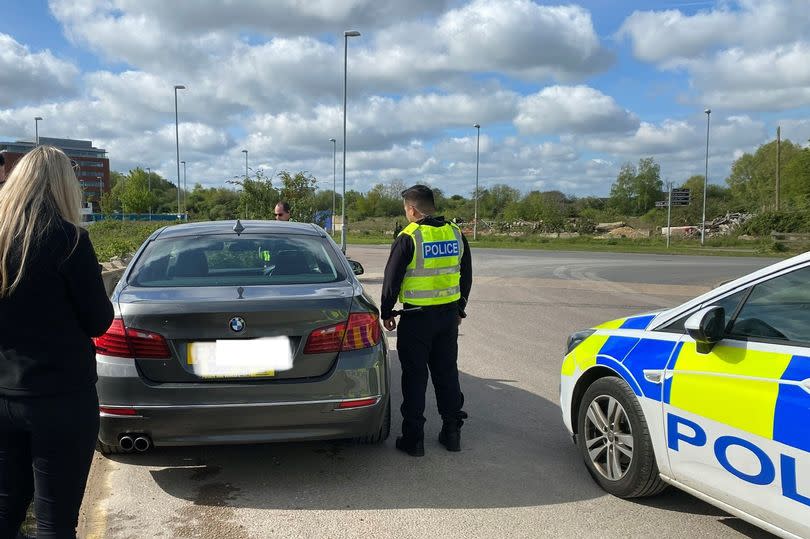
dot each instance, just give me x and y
(36, 128)
(185, 189)
(705, 178)
(177, 143)
(246, 163)
(149, 188)
(334, 182)
(346, 36)
(477, 153)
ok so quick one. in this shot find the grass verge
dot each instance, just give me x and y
(713, 247)
(119, 238)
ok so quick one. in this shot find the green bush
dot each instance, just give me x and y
(119, 238)
(764, 223)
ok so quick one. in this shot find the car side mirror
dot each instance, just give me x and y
(707, 327)
(357, 268)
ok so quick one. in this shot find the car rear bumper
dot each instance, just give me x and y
(250, 412)
(240, 423)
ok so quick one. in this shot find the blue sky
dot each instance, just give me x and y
(565, 93)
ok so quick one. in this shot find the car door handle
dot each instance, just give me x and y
(654, 376)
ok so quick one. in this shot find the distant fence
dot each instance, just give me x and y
(791, 239)
(92, 217)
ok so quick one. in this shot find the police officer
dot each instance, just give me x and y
(430, 271)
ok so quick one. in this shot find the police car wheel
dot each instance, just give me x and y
(615, 442)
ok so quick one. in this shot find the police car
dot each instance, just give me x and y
(712, 397)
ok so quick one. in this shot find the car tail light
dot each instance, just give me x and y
(361, 330)
(121, 341)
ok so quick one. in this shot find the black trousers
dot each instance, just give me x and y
(427, 342)
(46, 446)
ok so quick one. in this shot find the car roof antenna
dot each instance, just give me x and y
(238, 228)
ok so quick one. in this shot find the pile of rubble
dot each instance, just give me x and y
(721, 226)
(620, 229)
(727, 224)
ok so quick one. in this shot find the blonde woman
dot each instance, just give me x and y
(52, 301)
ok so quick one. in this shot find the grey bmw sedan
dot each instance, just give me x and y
(241, 332)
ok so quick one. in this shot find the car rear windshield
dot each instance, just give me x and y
(229, 260)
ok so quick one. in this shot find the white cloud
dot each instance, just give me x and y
(752, 57)
(29, 77)
(773, 79)
(797, 130)
(518, 37)
(572, 109)
(661, 36)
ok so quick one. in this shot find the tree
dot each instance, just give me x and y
(647, 185)
(213, 204)
(258, 198)
(636, 189)
(753, 177)
(796, 189)
(135, 195)
(298, 191)
(622, 191)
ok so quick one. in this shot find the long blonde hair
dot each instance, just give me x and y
(41, 189)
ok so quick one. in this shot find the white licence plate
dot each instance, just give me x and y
(236, 358)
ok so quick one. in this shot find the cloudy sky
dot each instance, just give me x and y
(564, 93)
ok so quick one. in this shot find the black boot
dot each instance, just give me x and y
(413, 448)
(450, 436)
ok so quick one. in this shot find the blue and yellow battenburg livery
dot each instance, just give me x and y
(730, 425)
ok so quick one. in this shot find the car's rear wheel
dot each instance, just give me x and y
(615, 442)
(385, 428)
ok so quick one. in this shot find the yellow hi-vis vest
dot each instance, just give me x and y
(434, 273)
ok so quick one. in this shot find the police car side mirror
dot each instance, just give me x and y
(357, 268)
(707, 327)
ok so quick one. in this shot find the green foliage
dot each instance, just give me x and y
(753, 177)
(136, 194)
(782, 221)
(213, 203)
(637, 188)
(116, 238)
(298, 190)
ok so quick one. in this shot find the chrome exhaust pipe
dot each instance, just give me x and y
(142, 444)
(126, 443)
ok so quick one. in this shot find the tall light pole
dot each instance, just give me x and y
(477, 153)
(177, 143)
(705, 178)
(334, 182)
(149, 188)
(346, 36)
(36, 128)
(246, 163)
(185, 189)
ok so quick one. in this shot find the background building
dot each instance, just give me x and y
(94, 167)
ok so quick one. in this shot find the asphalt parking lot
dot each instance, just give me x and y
(519, 475)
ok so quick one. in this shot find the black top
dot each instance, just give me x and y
(401, 255)
(47, 322)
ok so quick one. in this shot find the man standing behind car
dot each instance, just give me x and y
(430, 271)
(2, 169)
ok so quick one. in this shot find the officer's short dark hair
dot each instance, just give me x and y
(421, 197)
(284, 205)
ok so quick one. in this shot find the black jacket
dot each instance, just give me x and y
(47, 323)
(402, 254)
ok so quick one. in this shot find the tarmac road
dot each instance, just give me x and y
(519, 475)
